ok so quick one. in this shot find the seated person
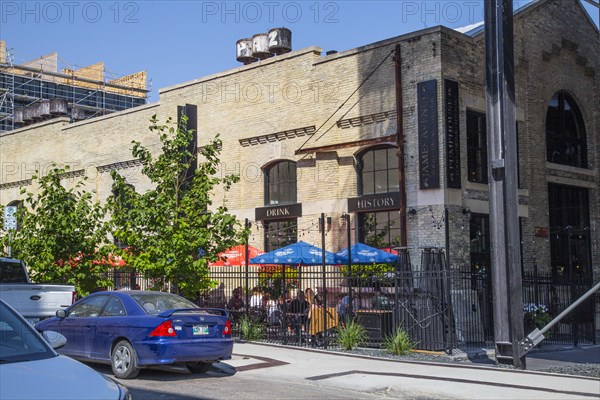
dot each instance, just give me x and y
(380, 301)
(343, 307)
(316, 317)
(285, 300)
(235, 303)
(270, 310)
(216, 297)
(298, 311)
(256, 299)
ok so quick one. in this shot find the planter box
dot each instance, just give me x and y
(377, 323)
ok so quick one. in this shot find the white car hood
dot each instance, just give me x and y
(54, 378)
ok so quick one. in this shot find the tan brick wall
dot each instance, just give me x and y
(304, 88)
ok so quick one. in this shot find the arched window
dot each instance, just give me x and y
(565, 132)
(280, 189)
(378, 171)
(280, 183)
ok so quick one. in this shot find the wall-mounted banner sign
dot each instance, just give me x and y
(429, 154)
(374, 202)
(451, 107)
(278, 212)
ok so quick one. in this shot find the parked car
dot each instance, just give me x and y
(137, 329)
(31, 369)
(34, 301)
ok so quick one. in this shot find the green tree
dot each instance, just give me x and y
(62, 235)
(172, 231)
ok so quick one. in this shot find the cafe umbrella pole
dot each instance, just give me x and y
(348, 314)
(246, 257)
(322, 224)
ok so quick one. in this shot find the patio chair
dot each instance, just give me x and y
(315, 323)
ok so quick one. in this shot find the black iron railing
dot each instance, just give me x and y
(440, 309)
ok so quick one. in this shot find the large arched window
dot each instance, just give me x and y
(378, 171)
(280, 183)
(280, 189)
(565, 132)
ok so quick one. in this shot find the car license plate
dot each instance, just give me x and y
(200, 330)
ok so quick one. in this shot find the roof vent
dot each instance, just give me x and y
(59, 106)
(260, 46)
(18, 116)
(244, 53)
(280, 40)
(27, 115)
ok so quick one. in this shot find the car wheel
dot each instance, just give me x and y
(199, 367)
(124, 361)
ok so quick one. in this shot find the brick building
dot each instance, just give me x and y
(38, 90)
(313, 133)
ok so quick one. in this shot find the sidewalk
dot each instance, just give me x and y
(539, 359)
(462, 378)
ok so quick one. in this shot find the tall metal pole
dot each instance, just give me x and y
(324, 277)
(246, 257)
(502, 173)
(9, 243)
(400, 144)
(349, 230)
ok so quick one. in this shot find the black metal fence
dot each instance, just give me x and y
(440, 309)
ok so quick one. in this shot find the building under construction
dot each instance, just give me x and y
(37, 90)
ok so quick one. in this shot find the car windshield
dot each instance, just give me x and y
(12, 272)
(18, 340)
(155, 303)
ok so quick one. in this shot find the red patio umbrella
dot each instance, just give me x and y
(235, 255)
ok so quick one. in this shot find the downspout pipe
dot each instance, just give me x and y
(400, 144)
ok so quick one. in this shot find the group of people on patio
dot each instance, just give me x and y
(302, 313)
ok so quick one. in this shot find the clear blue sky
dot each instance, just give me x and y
(177, 41)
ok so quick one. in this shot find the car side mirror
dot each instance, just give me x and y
(61, 313)
(54, 339)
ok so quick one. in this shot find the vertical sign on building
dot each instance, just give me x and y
(191, 112)
(429, 160)
(452, 134)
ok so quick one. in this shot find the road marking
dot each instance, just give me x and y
(454, 380)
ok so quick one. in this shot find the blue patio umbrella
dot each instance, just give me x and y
(363, 254)
(300, 253)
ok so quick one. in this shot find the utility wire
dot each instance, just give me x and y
(345, 101)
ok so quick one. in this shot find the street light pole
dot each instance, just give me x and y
(503, 182)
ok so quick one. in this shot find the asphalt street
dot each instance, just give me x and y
(261, 371)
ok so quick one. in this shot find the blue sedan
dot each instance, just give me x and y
(137, 329)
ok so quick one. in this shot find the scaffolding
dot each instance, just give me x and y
(88, 91)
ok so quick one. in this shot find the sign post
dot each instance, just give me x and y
(10, 224)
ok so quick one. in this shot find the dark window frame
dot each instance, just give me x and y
(391, 170)
(569, 222)
(566, 141)
(378, 237)
(286, 231)
(281, 178)
(477, 156)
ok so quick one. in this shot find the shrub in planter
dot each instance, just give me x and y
(370, 274)
(351, 335)
(399, 343)
(250, 329)
(535, 316)
(270, 279)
